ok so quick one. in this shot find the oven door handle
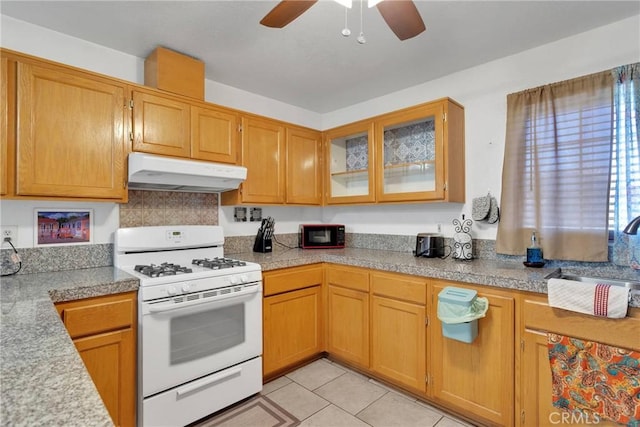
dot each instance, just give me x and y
(206, 382)
(161, 308)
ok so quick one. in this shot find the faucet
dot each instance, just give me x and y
(632, 227)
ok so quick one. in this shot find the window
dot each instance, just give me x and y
(624, 197)
(556, 169)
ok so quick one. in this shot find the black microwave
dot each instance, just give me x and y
(321, 236)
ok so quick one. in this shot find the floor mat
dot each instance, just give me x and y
(258, 411)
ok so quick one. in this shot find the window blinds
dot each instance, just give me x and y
(556, 169)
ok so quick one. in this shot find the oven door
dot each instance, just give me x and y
(190, 336)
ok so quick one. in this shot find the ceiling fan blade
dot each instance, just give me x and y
(285, 12)
(402, 17)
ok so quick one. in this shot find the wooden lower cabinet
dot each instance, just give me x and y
(106, 357)
(103, 330)
(398, 350)
(476, 378)
(534, 407)
(348, 314)
(399, 330)
(292, 330)
(292, 317)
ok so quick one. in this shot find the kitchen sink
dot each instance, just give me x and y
(633, 285)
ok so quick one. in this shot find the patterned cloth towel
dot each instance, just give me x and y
(600, 381)
(594, 299)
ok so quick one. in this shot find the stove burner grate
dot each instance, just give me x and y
(218, 263)
(164, 269)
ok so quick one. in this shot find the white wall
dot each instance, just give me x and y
(482, 90)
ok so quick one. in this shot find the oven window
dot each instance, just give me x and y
(199, 335)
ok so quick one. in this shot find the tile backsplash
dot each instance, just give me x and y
(169, 208)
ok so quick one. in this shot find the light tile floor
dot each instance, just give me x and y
(325, 394)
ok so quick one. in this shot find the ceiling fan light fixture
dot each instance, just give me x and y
(345, 3)
(372, 3)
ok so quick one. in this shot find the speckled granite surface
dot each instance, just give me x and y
(43, 380)
(492, 272)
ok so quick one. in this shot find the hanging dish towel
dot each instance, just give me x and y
(594, 299)
(598, 380)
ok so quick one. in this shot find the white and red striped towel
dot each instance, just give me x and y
(594, 299)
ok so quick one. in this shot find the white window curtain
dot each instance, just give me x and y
(556, 169)
(625, 177)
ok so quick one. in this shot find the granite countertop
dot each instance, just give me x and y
(43, 379)
(498, 273)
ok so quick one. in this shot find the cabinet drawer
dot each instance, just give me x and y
(82, 318)
(400, 286)
(352, 278)
(290, 279)
(538, 315)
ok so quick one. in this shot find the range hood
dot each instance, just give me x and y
(151, 172)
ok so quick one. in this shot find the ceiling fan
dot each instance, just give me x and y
(401, 16)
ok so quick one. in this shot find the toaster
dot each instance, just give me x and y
(429, 245)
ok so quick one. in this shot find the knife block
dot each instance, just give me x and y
(262, 244)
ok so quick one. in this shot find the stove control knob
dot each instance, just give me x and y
(234, 280)
(244, 278)
(186, 287)
(171, 290)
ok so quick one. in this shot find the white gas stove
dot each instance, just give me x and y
(200, 322)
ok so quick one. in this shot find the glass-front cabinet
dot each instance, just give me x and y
(410, 155)
(410, 146)
(350, 165)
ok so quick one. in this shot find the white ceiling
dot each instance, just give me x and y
(309, 63)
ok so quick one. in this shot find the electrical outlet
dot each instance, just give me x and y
(439, 228)
(9, 231)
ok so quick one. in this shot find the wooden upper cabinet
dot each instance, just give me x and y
(349, 171)
(283, 164)
(263, 154)
(214, 134)
(70, 134)
(410, 155)
(161, 124)
(420, 153)
(170, 126)
(4, 124)
(410, 146)
(304, 174)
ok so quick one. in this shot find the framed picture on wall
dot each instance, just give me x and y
(63, 227)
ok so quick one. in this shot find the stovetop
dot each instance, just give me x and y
(175, 256)
(174, 269)
(162, 271)
(175, 279)
(218, 263)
